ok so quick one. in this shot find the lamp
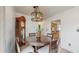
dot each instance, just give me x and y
(37, 16)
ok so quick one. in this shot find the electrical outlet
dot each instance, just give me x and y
(77, 30)
(69, 44)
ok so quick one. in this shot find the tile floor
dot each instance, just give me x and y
(45, 50)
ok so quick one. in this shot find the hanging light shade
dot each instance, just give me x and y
(37, 16)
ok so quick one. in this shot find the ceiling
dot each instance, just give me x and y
(47, 11)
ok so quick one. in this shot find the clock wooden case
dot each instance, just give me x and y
(20, 30)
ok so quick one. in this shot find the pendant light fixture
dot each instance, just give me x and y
(37, 16)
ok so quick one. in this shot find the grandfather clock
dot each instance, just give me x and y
(20, 30)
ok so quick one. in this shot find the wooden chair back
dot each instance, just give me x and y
(32, 34)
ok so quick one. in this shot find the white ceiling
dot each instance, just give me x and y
(47, 11)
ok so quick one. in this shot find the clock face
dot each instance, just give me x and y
(22, 24)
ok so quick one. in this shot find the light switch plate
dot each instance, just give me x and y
(77, 30)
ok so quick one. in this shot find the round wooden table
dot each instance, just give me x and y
(35, 45)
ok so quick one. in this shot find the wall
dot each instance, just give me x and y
(31, 27)
(9, 29)
(1, 29)
(69, 26)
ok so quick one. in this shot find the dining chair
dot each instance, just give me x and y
(28, 49)
(17, 47)
(53, 46)
(23, 49)
(49, 35)
(32, 34)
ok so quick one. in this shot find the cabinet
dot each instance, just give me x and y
(53, 47)
(20, 30)
(54, 30)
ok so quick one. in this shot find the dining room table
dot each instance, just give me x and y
(36, 44)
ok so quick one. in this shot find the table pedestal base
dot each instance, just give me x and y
(35, 49)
